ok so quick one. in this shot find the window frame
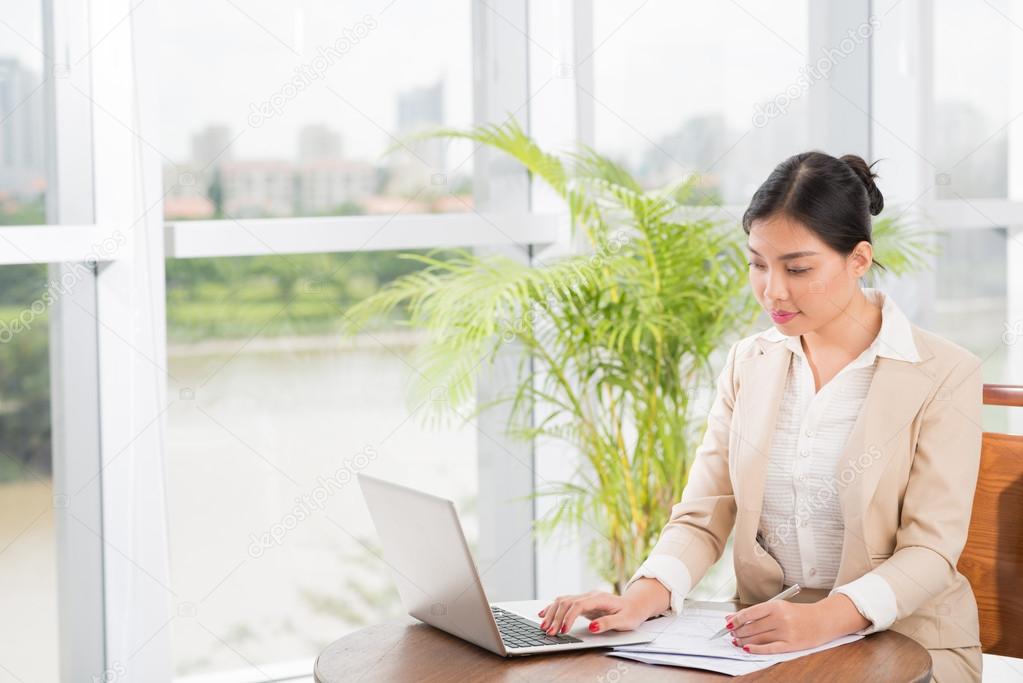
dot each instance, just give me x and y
(286, 236)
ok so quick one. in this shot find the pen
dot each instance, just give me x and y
(784, 595)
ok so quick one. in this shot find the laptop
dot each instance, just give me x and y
(439, 584)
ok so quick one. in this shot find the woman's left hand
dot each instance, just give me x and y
(781, 626)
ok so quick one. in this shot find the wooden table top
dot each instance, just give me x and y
(408, 650)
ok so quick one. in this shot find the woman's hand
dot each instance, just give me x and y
(607, 612)
(782, 626)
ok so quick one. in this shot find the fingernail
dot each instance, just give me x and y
(735, 642)
(729, 626)
(746, 648)
(540, 613)
(594, 626)
(564, 627)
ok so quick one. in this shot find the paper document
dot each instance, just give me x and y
(732, 667)
(682, 640)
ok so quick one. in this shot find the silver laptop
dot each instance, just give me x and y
(438, 583)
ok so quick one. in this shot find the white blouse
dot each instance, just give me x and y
(801, 522)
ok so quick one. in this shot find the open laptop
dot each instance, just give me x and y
(438, 583)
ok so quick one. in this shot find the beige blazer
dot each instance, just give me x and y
(905, 483)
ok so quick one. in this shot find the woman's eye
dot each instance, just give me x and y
(794, 271)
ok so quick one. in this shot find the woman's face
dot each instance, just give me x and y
(798, 279)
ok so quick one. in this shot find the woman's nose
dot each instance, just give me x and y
(774, 289)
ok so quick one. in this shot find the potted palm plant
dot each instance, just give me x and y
(621, 337)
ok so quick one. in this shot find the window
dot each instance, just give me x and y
(271, 410)
(29, 638)
(272, 414)
(971, 304)
(28, 538)
(22, 112)
(673, 96)
(976, 101)
(973, 149)
(293, 114)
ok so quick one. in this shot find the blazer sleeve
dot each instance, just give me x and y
(938, 501)
(696, 533)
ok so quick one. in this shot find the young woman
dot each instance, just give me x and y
(842, 448)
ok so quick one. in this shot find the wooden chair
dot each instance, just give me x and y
(993, 557)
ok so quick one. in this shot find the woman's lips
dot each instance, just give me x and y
(783, 316)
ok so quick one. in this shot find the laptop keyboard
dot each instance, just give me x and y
(518, 631)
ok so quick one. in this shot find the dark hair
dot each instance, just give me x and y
(834, 198)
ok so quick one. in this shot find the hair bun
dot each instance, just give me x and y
(866, 176)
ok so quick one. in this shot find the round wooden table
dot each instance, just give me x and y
(409, 650)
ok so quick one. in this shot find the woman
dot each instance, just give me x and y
(842, 449)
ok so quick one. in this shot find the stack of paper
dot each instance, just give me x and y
(684, 640)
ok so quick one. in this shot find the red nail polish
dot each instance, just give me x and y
(746, 648)
(729, 626)
(594, 627)
(564, 627)
(735, 642)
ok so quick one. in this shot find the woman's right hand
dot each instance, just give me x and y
(605, 610)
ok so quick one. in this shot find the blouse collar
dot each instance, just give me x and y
(894, 340)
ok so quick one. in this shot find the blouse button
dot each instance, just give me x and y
(809, 432)
(813, 572)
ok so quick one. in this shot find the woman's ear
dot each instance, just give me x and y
(861, 257)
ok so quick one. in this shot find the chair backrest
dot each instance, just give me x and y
(993, 557)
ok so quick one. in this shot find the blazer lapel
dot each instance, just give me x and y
(896, 392)
(762, 384)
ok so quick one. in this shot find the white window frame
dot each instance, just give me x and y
(74, 362)
(270, 236)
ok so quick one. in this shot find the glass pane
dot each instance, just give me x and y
(975, 113)
(287, 109)
(22, 98)
(663, 110)
(273, 413)
(28, 542)
(971, 303)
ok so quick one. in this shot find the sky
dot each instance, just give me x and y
(21, 33)
(659, 64)
(217, 58)
(678, 58)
